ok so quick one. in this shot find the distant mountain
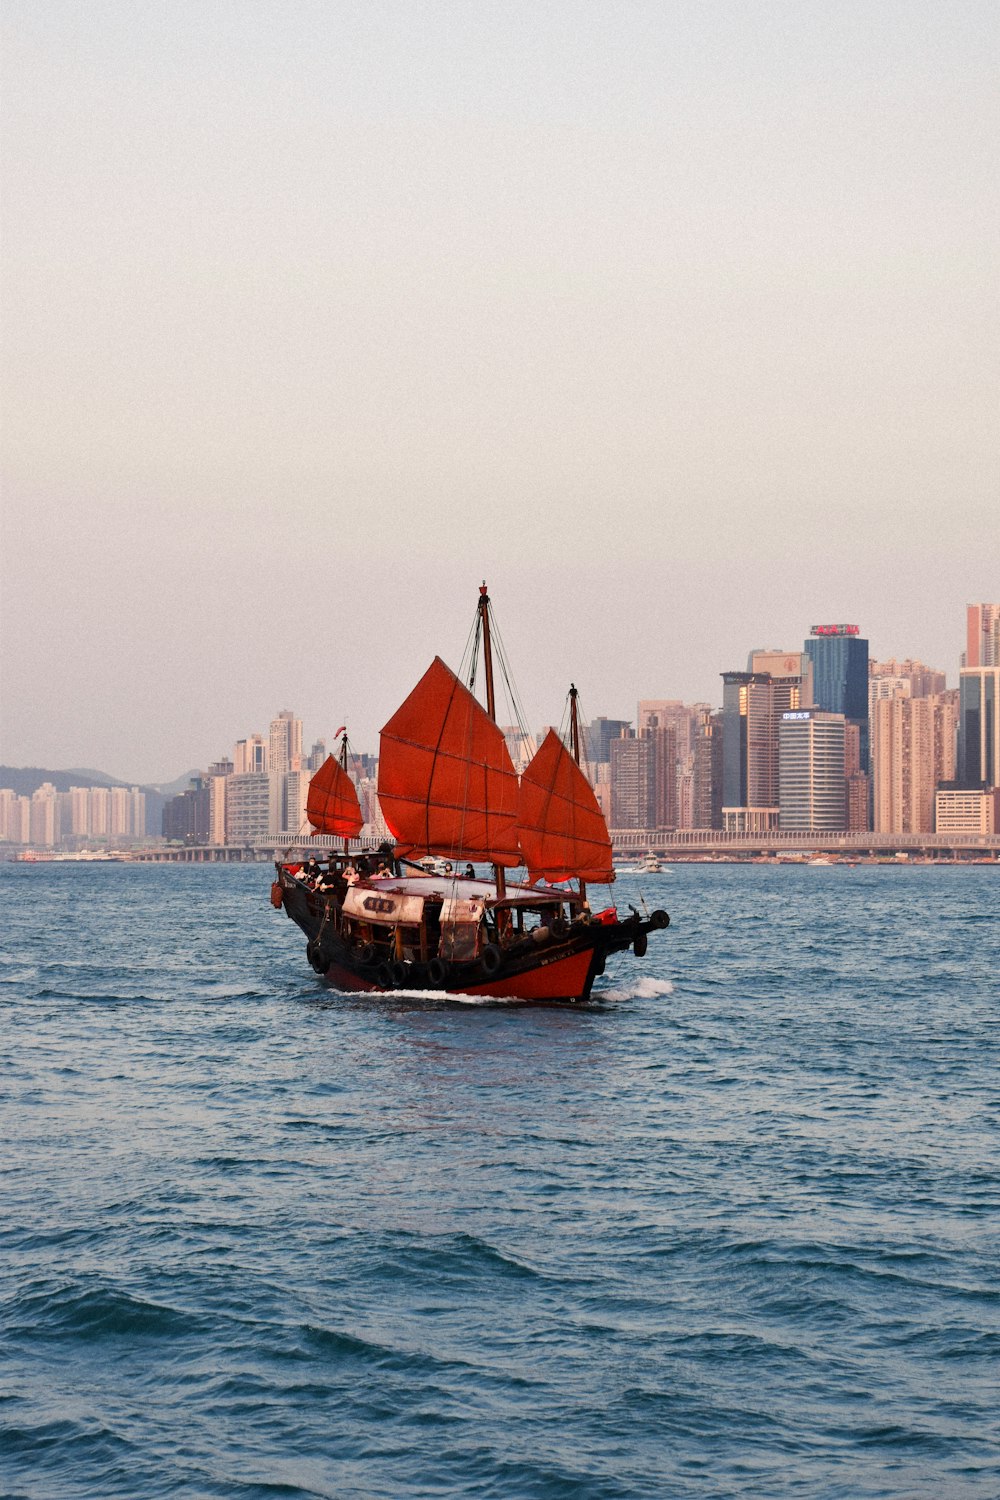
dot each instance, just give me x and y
(27, 779)
(175, 787)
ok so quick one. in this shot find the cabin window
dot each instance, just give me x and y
(460, 941)
(408, 943)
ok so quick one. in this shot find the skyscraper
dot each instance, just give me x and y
(752, 706)
(911, 756)
(187, 818)
(250, 756)
(44, 815)
(921, 678)
(840, 676)
(662, 740)
(786, 666)
(100, 812)
(632, 796)
(979, 726)
(599, 736)
(682, 719)
(285, 743)
(248, 807)
(982, 648)
(706, 794)
(218, 777)
(812, 771)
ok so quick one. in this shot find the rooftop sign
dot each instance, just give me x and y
(798, 713)
(834, 630)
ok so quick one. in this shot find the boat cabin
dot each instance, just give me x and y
(418, 917)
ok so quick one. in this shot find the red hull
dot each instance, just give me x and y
(559, 979)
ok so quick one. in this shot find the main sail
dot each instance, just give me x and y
(561, 828)
(446, 782)
(332, 803)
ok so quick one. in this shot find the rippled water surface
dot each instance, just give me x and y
(732, 1230)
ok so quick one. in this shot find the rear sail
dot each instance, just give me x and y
(561, 828)
(446, 782)
(332, 803)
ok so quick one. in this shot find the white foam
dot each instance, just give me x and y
(433, 997)
(645, 988)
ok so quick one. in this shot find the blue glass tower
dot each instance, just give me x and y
(840, 675)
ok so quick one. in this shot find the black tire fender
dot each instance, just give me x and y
(400, 973)
(659, 918)
(639, 945)
(491, 958)
(367, 953)
(383, 978)
(437, 972)
(559, 927)
(315, 957)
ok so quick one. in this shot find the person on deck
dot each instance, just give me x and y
(351, 875)
(470, 873)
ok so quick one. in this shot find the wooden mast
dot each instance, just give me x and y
(574, 729)
(343, 767)
(491, 707)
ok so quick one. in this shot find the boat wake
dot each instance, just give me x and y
(644, 988)
(429, 997)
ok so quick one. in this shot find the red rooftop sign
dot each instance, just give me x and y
(834, 630)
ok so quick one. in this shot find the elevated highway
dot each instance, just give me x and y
(694, 843)
(684, 843)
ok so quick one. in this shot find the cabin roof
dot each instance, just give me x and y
(449, 888)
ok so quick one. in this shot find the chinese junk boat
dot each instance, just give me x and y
(449, 792)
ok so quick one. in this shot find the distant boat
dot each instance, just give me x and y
(647, 864)
(449, 792)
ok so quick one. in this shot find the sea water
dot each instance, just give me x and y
(731, 1229)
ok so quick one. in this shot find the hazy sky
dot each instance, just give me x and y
(677, 322)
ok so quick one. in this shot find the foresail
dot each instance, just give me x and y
(332, 803)
(446, 782)
(561, 828)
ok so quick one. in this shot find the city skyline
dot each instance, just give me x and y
(829, 737)
(949, 667)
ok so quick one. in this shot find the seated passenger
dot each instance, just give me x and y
(383, 872)
(351, 875)
(470, 873)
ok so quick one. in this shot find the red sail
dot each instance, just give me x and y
(446, 781)
(332, 803)
(562, 830)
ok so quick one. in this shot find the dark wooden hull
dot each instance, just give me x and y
(562, 969)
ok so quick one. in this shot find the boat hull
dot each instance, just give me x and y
(563, 968)
(564, 978)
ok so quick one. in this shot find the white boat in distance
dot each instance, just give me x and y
(647, 864)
